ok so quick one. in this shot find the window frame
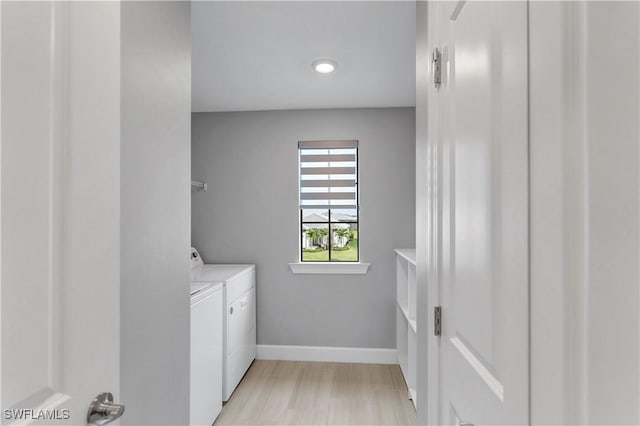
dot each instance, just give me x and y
(329, 222)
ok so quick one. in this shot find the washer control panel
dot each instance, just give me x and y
(196, 260)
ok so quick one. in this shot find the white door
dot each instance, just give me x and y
(60, 138)
(483, 360)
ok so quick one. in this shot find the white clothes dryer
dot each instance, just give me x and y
(206, 353)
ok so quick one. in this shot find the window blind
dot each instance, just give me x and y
(328, 174)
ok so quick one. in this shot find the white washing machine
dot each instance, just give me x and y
(206, 352)
(239, 319)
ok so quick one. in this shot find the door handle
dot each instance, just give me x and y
(103, 410)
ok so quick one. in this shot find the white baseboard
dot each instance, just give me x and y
(327, 354)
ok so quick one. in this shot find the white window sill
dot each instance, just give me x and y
(343, 268)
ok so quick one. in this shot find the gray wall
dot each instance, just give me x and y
(155, 212)
(250, 215)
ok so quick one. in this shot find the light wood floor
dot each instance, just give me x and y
(319, 393)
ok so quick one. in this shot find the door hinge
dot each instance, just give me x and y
(436, 58)
(437, 320)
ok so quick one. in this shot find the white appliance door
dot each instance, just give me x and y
(206, 359)
(484, 282)
(60, 258)
(241, 337)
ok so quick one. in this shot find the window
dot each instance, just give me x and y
(329, 214)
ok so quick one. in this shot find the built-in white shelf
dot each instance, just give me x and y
(408, 254)
(406, 338)
(405, 314)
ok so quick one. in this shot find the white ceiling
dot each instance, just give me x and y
(251, 56)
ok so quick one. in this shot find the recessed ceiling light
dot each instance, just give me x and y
(324, 66)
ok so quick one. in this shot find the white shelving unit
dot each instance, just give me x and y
(406, 317)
